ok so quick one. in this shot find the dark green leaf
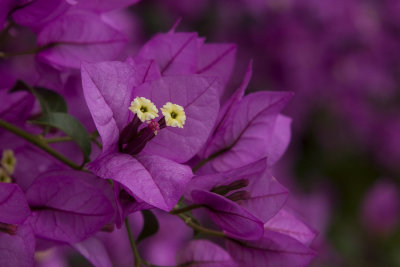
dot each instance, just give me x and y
(70, 126)
(49, 100)
(150, 225)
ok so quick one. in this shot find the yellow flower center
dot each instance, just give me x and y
(144, 109)
(8, 161)
(174, 115)
(4, 177)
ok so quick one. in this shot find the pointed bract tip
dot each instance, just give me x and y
(176, 24)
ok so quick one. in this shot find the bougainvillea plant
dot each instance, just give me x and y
(157, 145)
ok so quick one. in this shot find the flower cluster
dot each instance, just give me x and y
(206, 159)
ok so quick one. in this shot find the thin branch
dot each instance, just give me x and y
(93, 138)
(135, 252)
(185, 209)
(58, 139)
(200, 228)
(39, 142)
(211, 157)
(32, 51)
(97, 143)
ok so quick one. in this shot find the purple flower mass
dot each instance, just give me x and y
(159, 133)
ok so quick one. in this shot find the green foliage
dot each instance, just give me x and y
(70, 126)
(54, 114)
(49, 100)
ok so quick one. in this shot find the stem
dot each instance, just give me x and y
(58, 139)
(68, 138)
(39, 142)
(199, 165)
(213, 156)
(94, 140)
(32, 51)
(185, 209)
(200, 228)
(136, 255)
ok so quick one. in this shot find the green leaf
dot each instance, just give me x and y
(71, 127)
(150, 225)
(49, 100)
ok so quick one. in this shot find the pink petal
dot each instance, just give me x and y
(32, 161)
(217, 60)
(287, 223)
(175, 53)
(108, 87)
(273, 249)
(235, 221)
(145, 71)
(227, 110)
(17, 250)
(280, 139)
(155, 180)
(248, 132)
(66, 207)
(208, 182)
(79, 36)
(14, 208)
(16, 106)
(39, 12)
(267, 196)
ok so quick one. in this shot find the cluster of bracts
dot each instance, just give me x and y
(205, 159)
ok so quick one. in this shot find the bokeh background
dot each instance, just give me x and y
(342, 60)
